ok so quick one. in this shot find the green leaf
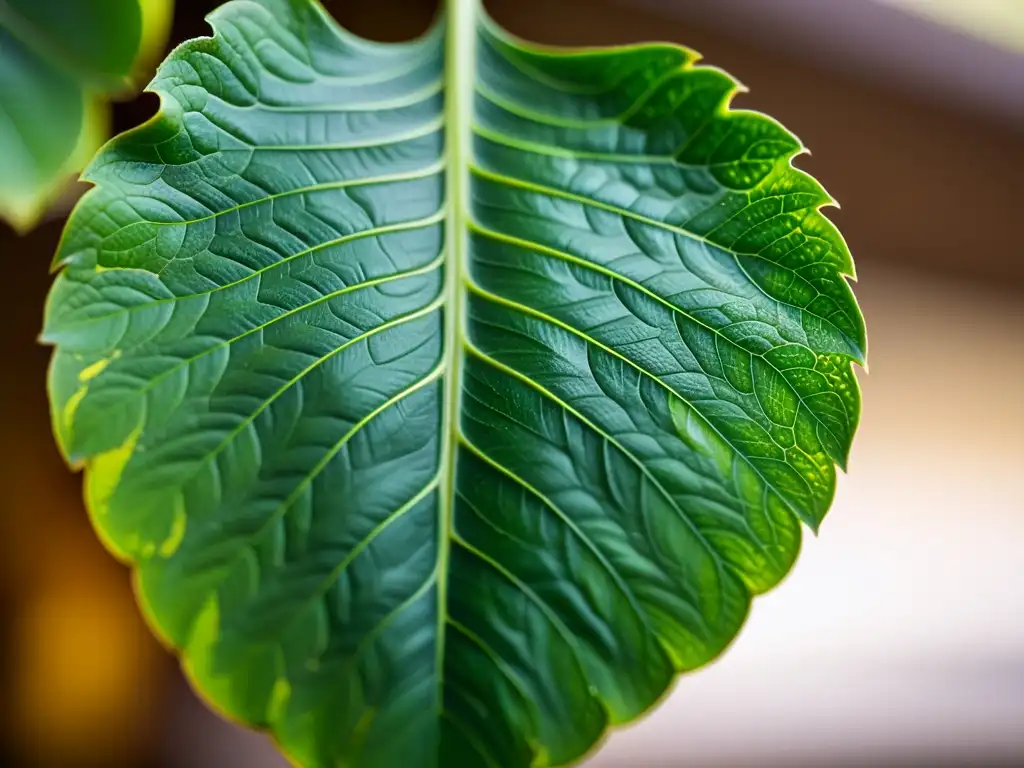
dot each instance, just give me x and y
(58, 61)
(49, 128)
(96, 40)
(448, 413)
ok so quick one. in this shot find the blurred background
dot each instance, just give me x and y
(899, 637)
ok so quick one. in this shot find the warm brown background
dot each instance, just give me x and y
(899, 639)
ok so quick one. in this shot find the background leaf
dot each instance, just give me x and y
(59, 62)
(447, 419)
(96, 40)
(43, 112)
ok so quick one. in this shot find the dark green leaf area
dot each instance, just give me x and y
(447, 428)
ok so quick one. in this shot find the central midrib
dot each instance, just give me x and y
(460, 56)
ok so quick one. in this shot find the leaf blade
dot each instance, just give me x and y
(432, 448)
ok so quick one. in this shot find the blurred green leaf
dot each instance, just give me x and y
(448, 413)
(96, 41)
(49, 128)
(59, 63)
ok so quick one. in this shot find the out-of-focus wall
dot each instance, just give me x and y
(898, 637)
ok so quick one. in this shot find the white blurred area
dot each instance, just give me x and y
(899, 636)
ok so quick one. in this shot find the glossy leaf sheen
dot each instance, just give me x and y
(448, 413)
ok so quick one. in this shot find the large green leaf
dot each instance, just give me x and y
(447, 418)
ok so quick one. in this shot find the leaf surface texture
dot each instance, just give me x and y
(449, 412)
